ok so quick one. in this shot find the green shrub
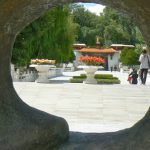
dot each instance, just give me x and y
(108, 81)
(115, 78)
(83, 75)
(76, 80)
(103, 76)
(101, 79)
(98, 76)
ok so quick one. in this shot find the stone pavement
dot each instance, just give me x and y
(89, 108)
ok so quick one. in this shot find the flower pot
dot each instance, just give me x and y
(90, 71)
(42, 73)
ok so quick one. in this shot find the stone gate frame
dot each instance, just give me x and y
(25, 128)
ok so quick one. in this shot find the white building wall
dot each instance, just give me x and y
(111, 62)
(114, 61)
(77, 55)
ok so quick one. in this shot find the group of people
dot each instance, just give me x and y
(144, 60)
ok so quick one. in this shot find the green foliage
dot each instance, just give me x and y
(108, 81)
(103, 76)
(87, 24)
(129, 56)
(83, 75)
(111, 26)
(79, 77)
(101, 79)
(76, 80)
(51, 36)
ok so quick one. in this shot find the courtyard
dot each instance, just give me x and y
(89, 107)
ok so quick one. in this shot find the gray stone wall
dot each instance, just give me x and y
(25, 128)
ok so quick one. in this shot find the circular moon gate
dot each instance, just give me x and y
(25, 128)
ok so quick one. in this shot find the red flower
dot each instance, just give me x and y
(92, 60)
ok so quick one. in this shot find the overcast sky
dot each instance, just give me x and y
(95, 8)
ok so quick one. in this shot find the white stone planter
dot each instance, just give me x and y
(42, 72)
(90, 72)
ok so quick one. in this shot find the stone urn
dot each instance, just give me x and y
(90, 72)
(42, 73)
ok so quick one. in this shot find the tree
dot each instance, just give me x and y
(87, 25)
(129, 56)
(111, 26)
(127, 31)
(113, 33)
(51, 36)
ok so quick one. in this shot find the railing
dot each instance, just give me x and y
(31, 76)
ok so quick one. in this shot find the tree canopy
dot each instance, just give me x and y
(51, 36)
(130, 56)
(111, 26)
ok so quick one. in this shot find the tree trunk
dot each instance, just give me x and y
(21, 126)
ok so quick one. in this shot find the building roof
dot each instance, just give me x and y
(96, 50)
(122, 45)
(79, 46)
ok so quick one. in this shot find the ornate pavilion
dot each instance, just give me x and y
(110, 55)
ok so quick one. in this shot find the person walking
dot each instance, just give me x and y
(144, 65)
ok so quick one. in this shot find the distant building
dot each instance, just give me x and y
(76, 48)
(111, 55)
(119, 47)
(79, 46)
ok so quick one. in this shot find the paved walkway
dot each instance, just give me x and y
(90, 108)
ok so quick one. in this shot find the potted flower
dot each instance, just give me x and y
(91, 67)
(42, 61)
(42, 66)
(92, 61)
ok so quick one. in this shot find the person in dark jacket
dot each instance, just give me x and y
(134, 76)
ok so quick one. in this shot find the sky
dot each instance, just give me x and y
(95, 8)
